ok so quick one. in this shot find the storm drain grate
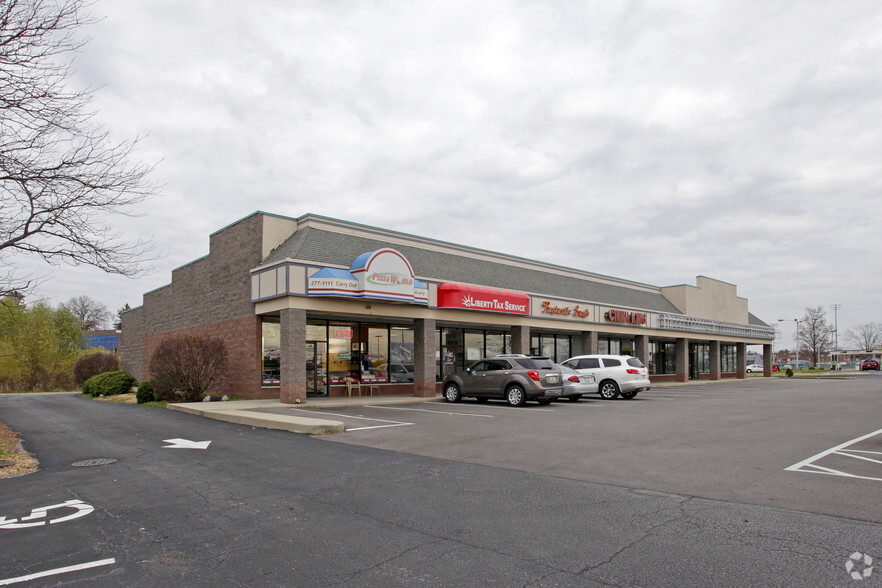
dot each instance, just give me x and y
(87, 463)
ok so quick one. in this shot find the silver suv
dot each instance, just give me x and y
(516, 378)
(615, 374)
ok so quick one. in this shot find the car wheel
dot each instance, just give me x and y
(574, 397)
(629, 395)
(544, 401)
(609, 390)
(452, 393)
(515, 396)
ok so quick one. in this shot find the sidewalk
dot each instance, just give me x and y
(272, 414)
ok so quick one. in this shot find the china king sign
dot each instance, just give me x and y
(623, 316)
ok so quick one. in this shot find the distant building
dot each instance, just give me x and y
(108, 340)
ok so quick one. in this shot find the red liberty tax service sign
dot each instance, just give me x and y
(487, 299)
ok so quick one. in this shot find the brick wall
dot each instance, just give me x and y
(242, 339)
(209, 296)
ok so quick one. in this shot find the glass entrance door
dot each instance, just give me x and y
(316, 372)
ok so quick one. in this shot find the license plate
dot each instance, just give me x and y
(552, 379)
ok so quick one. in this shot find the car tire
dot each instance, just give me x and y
(544, 401)
(629, 395)
(574, 398)
(515, 396)
(608, 390)
(452, 393)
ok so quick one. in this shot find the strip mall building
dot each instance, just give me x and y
(303, 303)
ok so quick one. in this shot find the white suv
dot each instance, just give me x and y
(615, 374)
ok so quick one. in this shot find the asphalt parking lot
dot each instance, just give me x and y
(806, 444)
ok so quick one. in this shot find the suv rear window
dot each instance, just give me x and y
(610, 362)
(534, 363)
(634, 362)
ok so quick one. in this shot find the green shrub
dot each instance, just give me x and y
(109, 383)
(145, 392)
(789, 373)
(94, 364)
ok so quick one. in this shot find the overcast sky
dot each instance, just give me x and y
(648, 140)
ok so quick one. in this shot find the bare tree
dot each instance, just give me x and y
(814, 333)
(59, 173)
(867, 336)
(92, 314)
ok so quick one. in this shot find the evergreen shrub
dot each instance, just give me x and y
(109, 383)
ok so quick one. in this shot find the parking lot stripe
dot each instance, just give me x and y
(808, 465)
(57, 571)
(486, 416)
(376, 427)
(808, 461)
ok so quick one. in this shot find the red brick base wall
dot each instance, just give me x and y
(242, 339)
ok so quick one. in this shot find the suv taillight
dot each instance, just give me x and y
(534, 375)
(632, 371)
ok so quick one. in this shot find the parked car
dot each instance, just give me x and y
(870, 364)
(615, 374)
(754, 367)
(577, 385)
(514, 377)
(400, 373)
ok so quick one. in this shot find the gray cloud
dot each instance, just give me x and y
(652, 140)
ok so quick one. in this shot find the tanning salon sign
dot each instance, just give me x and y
(384, 274)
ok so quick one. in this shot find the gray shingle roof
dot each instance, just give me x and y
(332, 248)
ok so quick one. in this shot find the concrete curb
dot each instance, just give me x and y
(293, 424)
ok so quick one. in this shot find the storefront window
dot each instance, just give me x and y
(661, 357)
(450, 352)
(609, 346)
(374, 353)
(727, 358)
(474, 346)
(400, 354)
(563, 348)
(270, 369)
(701, 357)
(343, 351)
(316, 358)
(495, 344)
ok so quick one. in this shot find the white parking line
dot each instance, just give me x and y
(57, 571)
(349, 416)
(808, 465)
(501, 406)
(486, 416)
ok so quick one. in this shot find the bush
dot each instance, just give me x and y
(109, 383)
(145, 392)
(789, 373)
(187, 366)
(94, 364)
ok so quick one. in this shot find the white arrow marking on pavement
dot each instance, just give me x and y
(82, 509)
(185, 444)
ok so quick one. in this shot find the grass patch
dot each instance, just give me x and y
(11, 451)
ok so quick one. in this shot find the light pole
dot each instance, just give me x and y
(797, 338)
(835, 308)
